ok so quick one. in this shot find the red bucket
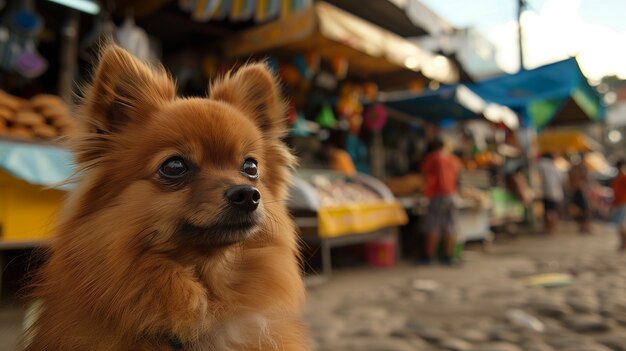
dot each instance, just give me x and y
(381, 254)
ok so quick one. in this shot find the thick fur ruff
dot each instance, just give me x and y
(125, 271)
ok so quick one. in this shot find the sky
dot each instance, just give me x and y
(592, 30)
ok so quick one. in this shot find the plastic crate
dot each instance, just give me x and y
(27, 211)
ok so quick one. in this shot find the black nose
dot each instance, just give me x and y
(244, 197)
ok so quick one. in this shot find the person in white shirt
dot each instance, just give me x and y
(552, 189)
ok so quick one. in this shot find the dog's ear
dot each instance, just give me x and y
(254, 90)
(124, 89)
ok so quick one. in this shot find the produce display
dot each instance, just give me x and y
(488, 159)
(477, 196)
(407, 185)
(337, 191)
(43, 117)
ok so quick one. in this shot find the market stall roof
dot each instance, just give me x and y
(454, 102)
(565, 141)
(553, 94)
(406, 18)
(333, 33)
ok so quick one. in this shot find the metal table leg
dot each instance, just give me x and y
(326, 260)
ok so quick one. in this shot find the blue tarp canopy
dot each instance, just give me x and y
(37, 164)
(438, 105)
(448, 104)
(557, 93)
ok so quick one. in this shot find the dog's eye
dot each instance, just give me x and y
(173, 168)
(250, 168)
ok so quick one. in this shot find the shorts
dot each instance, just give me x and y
(550, 205)
(618, 215)
(440, 218)
(580, 201)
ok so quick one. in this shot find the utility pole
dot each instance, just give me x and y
(527, 132)
(521, 5)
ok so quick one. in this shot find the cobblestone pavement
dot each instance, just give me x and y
(485, 305)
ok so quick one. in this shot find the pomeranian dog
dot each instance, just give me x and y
(177, 236)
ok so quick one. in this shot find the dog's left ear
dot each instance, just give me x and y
(254, 90)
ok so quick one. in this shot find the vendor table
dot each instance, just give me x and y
(327, 244)
(348, 218)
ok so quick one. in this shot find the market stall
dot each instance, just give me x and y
(333, 65)
(328, 59)
(550, 95)
(335, 210)
(576, 147)
(30, 193)
(337, 35)
(476, 132)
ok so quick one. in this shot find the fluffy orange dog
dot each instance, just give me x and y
(177, 237)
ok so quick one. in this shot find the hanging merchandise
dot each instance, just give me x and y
(222, 10)
(266, 9)
(326, 80)
(103, 28)
(29, 63)
(313, 59)
(26, 21)
(370, 91)
(349, 103)
(375, 117)
(204, 10)
(286, 7)
(299, 127)
(289, 74)
(339, 66)
(326, 117)
(354, 124)
(290, 6)
(298, 5)
(242, 10)
(291, 114)
(299, 61)
(133, 38)
(25, 58)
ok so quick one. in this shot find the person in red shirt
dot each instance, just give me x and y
(619, 202)
(440, 171)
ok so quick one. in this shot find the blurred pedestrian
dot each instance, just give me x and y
(440, 171)
(579, 185)
(517, 184)
(552, 190)
(619, 202)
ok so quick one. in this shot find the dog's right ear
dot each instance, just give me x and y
(124, 90)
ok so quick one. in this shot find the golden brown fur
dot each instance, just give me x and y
(123, 274)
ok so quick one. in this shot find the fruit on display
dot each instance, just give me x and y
(43, 117)
(407, 185)
(488, 159)
(477, 196)
(332, 191)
